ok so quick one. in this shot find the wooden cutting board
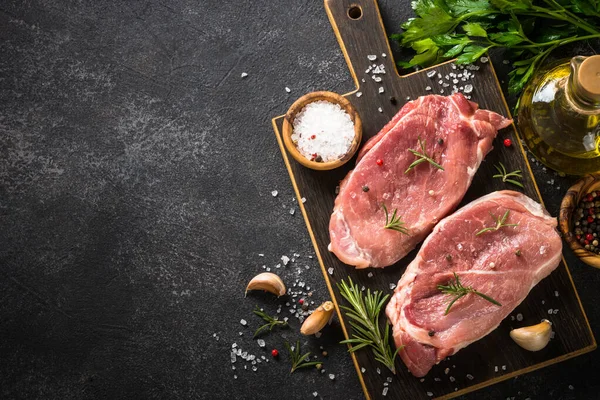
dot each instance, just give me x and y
(360, 32)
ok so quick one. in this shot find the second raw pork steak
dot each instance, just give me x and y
(504, 264)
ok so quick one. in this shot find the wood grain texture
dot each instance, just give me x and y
(585, 185)
(474, 366)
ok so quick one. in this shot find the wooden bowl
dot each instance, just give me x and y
(288, 127)
(582, 187)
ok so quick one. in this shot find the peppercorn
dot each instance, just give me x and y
(301, 301)
(440, 141)
(448, 257)
(274, 353)
(590, 219)
(507, 142)
(393, 100)
(431, 333)
(379, 162)
(518, 253)
(365, 188)
(589, 236)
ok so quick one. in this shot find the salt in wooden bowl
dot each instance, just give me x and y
(288, 128)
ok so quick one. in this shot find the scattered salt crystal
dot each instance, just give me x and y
(549, 311)
(552, 335)
(385, 391)
(235, 377)
(383, 55)
(505, 62)
(377, 78)
(285, 260)
(437, 379)
(372, 57)
(543, 302)
(484, 59)
(452, 379)
(292, 211)
(379, 109)
(440, 81)
(555, 311)
(439, 75)
(243, 322)
(331, 376)
(468, 88)
(323, 129)
(315, 394)
(407, 98)
(431, 74)
(504, 368)
(381, 90)
(274, 193)
(470, 377)
(389, 379)
(447, 371)
(496, 368)
(571, 387)
(358, 94)
(363, 370)
(363, 80)
(392, 286)
(370, 274)
(260, 342)
(287, 89)
(244, 74)
(254, 368)
(318, 335)
(241, 333)
(428, 88)
(519, 317)
(441, 90)
(330, 270)
(378, 371)
(421, 380)
(556, 293)
(429, 394)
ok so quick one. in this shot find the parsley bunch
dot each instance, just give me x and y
(529, 29)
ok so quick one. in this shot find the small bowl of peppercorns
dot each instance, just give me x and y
(579, 219)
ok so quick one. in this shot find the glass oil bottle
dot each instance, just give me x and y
(559, 115)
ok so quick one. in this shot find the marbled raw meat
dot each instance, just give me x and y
(455, 133)
(488, 262)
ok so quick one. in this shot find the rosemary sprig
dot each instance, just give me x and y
(457, 290)
(422, 156)
(500, 222)
(505, 176)
(299, 361)
(272, 322)
(364, 318)
(395, 223)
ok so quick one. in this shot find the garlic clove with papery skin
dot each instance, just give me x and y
(318, 319)
(267, 281)
(533, 338)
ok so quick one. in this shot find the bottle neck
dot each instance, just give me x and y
(576, 97)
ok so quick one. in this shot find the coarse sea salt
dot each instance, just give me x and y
(323, 130)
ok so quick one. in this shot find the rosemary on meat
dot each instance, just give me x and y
(457, 290)
(272, 322)
(422, 157)
(299, 361)
(508, 176)
(500, 223)
(364, 318)
(395, 223)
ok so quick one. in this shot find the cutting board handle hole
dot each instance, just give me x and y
(355, 12)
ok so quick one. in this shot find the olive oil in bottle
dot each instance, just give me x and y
(559, 115)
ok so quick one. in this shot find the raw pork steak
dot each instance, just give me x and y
(455, 134)
(488, 262)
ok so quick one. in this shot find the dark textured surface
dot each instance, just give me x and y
(135, 198)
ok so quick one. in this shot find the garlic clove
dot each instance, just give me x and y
(533, 338)
(267, 281)
(318, 319)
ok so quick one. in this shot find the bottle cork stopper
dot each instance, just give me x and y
(589, 78)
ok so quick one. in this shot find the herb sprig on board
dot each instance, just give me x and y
(364, 318)
(510, 177)
(466, 29)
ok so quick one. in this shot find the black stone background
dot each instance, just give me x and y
(136, 170)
